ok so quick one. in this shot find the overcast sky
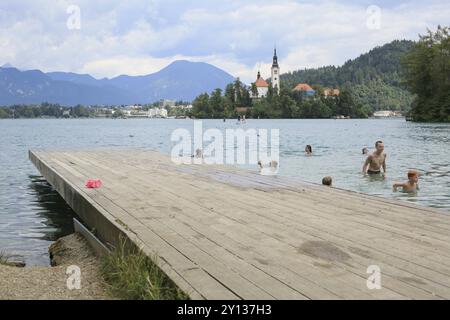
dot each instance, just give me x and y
(140, 37)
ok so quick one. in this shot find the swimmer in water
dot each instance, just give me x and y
(410, 186)
(375, 161)
(272, 169)
(365, 151)
(308, 150)
(327, 181)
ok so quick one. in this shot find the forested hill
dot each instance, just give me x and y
(374, 77)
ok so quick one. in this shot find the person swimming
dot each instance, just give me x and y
(327, 181)
(365, 151)
(410, 186)
(272, 169)
(308, 150)
(375, 161)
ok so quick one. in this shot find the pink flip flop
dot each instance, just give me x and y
(93, 184)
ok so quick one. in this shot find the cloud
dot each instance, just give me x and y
(139, 37)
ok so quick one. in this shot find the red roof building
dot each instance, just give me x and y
(303, 87)
(260, 82)
(306, 88)
(262, 87)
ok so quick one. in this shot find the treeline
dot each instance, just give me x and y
(51, 110)
(376, 78)
(427, 74)
(236, 100)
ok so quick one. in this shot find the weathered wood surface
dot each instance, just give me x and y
(224, 233)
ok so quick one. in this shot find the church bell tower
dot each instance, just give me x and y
(275, 72)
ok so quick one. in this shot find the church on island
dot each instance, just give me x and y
(261, 85)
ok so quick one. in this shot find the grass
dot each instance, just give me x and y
(4, 258)
(132, 275)
(7, 260)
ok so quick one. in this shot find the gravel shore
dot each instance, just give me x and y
(50, 283)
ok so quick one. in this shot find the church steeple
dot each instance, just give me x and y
(275, 58)
(275, 72)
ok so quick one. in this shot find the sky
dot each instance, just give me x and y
(106, 38)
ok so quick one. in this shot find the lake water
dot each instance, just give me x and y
(32, 215)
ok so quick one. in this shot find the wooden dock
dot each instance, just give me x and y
(224, 233)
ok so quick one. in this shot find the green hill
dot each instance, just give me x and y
(374, 77)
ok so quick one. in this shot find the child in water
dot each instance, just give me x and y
(411, 185)
(327, 181)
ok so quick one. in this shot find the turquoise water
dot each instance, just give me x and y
(32, 215)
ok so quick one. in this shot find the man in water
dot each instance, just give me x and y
(376, 160)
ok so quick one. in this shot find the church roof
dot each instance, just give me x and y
(303, 87)
(260, 82)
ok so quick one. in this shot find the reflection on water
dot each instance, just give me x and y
(32, 214)
(33, 220)
(54, 211)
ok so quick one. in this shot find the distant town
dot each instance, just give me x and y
(162, 109)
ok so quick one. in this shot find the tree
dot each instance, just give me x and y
(229, 101)
(346, 103)
(4, 113)
(427, 75)
(80, 111)
(200, 107)
(254, 90)
(118, 113)
(216, 104)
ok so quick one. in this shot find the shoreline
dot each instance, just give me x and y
(51, 283)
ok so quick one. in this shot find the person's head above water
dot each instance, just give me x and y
(413, 176)
(327, 181)
(379, 146)
(365, 150)
(308, 148)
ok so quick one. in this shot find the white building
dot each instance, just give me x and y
(383, 114)
(157, 113)
(152, 113)
(261, 86)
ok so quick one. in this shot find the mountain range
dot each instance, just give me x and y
(375, 80)
(181, 80)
